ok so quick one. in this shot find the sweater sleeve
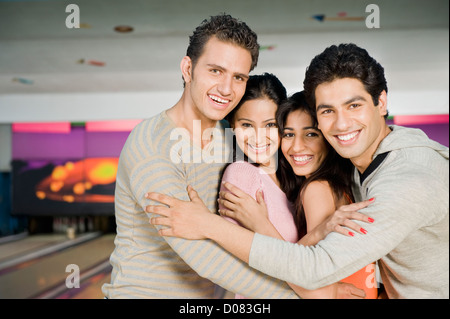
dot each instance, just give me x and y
(402, 207)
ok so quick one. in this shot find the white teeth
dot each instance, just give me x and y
(258, 148)
(347, 137)
(218, 99)
(302, 158)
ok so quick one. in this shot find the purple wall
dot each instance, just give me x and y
(76, 144)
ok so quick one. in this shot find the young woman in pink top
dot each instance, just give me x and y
(256, 144)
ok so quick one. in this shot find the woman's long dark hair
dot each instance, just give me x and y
(337, 171)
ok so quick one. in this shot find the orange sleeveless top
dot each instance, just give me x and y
(365, 277)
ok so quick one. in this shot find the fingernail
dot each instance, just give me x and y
(146, 195)
(371, 220)
(372, 199)
(363, 231)
(351, 234)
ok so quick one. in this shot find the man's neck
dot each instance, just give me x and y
(362, 162)
(184, 116)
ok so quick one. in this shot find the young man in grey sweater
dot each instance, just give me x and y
(406, 173)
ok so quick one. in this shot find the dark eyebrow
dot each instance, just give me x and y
(351, 100)
(323, 106)
(244, 76)
(303, 128)
(355, 98)
(215, 66)
(248, 120)
(315, 128)
(244, 119)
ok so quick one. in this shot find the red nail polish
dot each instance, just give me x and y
(371, 220)
(351, 234)
(372, 199)
(363, 231)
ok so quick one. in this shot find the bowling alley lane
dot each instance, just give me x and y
(44, 274)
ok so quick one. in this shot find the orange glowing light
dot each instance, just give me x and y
(40, 194)
(74, 181)
(55, 186)
(78, 188)
(59, 173)
(103, 173)
(68, 198)
(69, 166)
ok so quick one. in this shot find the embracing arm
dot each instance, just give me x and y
(337, 257)
(199, 223)
(192, 220)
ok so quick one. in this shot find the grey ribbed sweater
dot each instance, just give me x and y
(410, 236)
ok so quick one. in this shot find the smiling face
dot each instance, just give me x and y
(302, 144)
(350, 121)
(217, 82)
(256, 130)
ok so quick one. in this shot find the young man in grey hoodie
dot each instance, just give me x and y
(405, 172)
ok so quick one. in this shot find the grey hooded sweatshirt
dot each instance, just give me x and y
(409, 179)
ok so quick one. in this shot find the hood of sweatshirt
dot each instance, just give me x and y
(405, 137)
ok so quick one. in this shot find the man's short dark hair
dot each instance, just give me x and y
(225, 28)
(345, 61)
